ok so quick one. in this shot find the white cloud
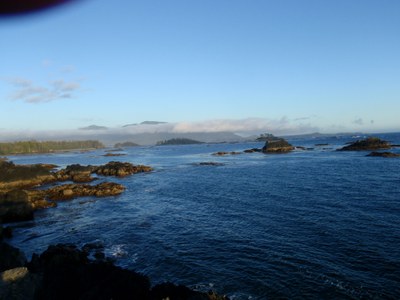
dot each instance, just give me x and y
(27, 91)
(249, 125)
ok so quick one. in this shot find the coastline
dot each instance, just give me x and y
(64, 271)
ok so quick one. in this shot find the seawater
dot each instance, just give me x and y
(308, 224)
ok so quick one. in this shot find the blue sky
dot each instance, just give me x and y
(304, 66)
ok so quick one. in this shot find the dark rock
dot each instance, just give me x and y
(18, 200)
(178, 292)
(99, 255)
(65, 272)
(114, 154)
(384, 154)
(253, 150)
(10, 257)
(92, 246)
(277, 146)
(69, 274)
(371, 143)
(15, 206)
(222, 153)
(120, 169)
(76, 173)
(18, 283)
(23, 176)
(210, 163)
(5, 232)
(74, 190)
(115, 150)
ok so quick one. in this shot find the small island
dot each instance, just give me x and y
(370, 143)
(126, 144)
(277, 146)
(178, 141)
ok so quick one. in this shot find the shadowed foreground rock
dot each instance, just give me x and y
(65, 272)
(371, 143)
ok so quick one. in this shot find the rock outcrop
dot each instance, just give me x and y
(19, 199)
(120, 169)
(371, 143)
(70, 191)
(24, 176)
(10, 257)
(277, 146)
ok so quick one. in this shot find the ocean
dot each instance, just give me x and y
(311, 224)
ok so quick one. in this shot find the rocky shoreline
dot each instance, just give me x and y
(64, 271)
(20, 196)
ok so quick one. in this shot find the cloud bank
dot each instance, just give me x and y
(244, 127)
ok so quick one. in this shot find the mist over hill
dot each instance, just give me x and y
(151, 132)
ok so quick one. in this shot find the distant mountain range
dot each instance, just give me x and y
(145, 123)
(111, 136)
(94, 127)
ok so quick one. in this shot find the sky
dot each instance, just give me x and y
(254, 65)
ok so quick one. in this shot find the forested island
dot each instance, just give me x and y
(178, 141)
(126, 144)
(29, 147)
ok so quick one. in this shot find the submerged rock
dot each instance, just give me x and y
(209, 163)
(277, 146)
(384, 154)
(371, 143)
(114, 154)
(222, 153)
(253, 150)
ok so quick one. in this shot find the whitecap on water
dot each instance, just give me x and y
(116, 251)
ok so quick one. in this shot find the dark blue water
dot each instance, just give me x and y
(308, 224)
